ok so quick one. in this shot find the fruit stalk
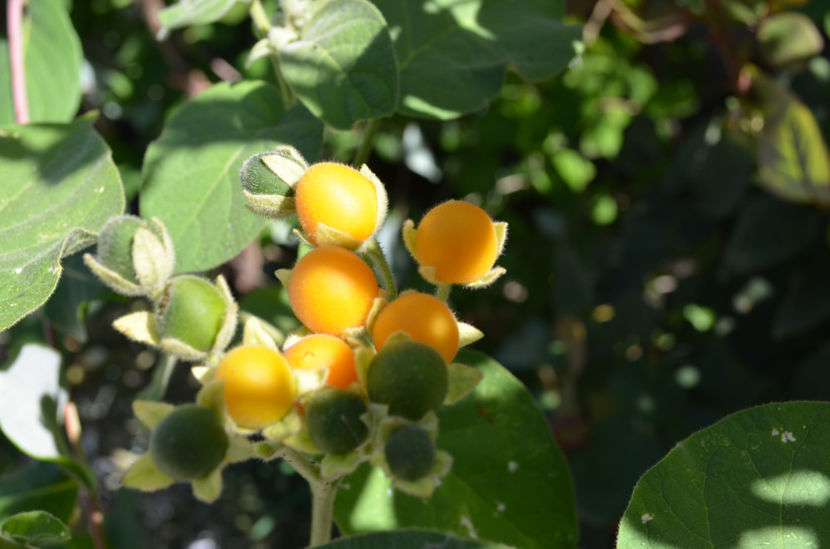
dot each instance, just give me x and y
(376, 256)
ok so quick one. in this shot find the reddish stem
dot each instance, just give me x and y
(14, 25)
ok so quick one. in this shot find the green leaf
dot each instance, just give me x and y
(35, 527)
(191, 173)
(788, 38)
(38, 485)
(509, 482)
(194, 12)
(452, 55)
(758, 478)
(408, 539)
(59, 187)
(343, 65)
(794, 163)
(769, 231)
(77, 290)
(52, 64)
(33, 401)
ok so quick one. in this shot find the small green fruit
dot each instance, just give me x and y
(410, 377)
(333, 418)
(410, 452)
(188, 443)
(257, 178)
(192, 310)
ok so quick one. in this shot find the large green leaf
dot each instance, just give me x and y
(509, 482)
(38, 485)
(793, 159)
(52, 62)
(59, 186)
(769, 231)
(452, 54)
(191, 173)
(758, 478)
(35, 528)
(408, 539)
(194, 12)
(33, 401)
(343, 65)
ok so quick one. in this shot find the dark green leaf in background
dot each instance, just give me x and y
(52, 64)
(769, 231)
(452, 55)
(38, 485)
(194, 12)
(59, 186)
(509, 482)
(408, 539)
(343, 66)
(758, 478)
(35, 528)
(191, 173)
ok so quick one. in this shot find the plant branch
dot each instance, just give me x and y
(263, 26)
(376, 256)
(365, 149)
(14, 27)
(322, 511)
(161, 378)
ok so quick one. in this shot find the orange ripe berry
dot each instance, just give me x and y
(426, 319)
(331, 290)
(259, 387)
(338, 196)
(322, 351)
(459, 240)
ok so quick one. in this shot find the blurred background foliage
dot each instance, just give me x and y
(667, 258)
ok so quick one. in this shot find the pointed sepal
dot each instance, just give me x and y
(140, 326)
(462, 380)
(151, 412)
(209, 488)
(467, 334)
(144, 475)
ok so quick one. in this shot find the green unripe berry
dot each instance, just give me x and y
(188, 443)
(410, 377)
(115, 244)
(333, 418)
(192, 310)
(410, 452)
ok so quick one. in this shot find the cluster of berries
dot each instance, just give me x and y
(362, 379)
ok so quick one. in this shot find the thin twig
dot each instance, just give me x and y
(14, 27)
(602, 9)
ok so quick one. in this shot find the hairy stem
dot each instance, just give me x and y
(322, 511)
(362, 154)
(14, 28)
(161, 379)
(263, 25)
(377, 257)
(442, 292)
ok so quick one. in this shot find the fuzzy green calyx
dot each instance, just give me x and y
(188, 443)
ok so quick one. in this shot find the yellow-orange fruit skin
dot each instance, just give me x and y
(322, 351)
(459, 240)
(424, 318)
(331, 290)
(338, 196)
(259, 387)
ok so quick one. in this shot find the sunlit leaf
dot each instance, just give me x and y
(191, 173)
(758, 478)
(59, 186)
